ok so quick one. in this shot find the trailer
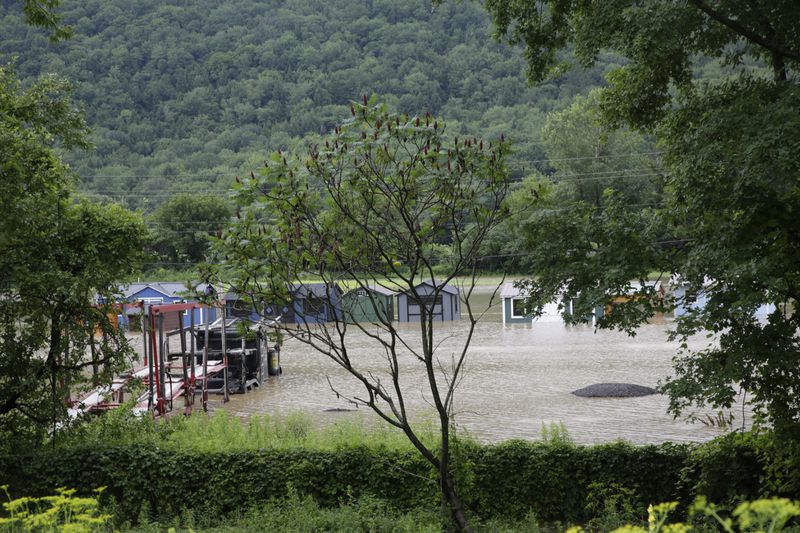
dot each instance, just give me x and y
(244, 345)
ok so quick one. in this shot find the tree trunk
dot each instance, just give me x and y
(448, 487)
(778, 67)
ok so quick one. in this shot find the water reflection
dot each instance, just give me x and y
(517, 377)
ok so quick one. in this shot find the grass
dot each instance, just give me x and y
(222, 431)
(487, 281)
(296, 512)
(301, 513)
(295, 430)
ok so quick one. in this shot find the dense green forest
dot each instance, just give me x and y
(181, 96)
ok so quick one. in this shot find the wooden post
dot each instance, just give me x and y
(224, 356)
(93, 350)
(144, 336)
(243, 370)
(162, 373)
(190, 392)
(205, 363)
(185, 372)
(146, 332)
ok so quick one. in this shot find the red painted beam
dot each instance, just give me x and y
(166, 308)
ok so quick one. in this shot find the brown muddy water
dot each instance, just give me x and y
(517, 379)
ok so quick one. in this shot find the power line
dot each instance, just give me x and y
(151, 176)
(587, 176)
(246, 172)
(160, 191)
(581, 158)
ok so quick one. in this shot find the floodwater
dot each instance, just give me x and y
(517, 377)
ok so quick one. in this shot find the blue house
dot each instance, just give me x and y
(515, 311)
(311, 303)
(237, 306)
(161, 292)
(441, 301)
(316, 302)
(684, 302)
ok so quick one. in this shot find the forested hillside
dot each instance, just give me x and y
(181, 96)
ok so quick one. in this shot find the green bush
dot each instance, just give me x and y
(166, 481)
(555, 482)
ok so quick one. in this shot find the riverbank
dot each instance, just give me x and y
(221, 468)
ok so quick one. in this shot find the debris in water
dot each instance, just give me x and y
(614, 390)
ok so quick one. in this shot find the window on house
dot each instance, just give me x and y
(428, 300)
(518, 309)
(313, 305)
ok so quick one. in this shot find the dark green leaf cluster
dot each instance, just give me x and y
(59, 256)
(557, 482)
(182, 227)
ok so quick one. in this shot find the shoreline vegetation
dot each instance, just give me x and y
(222, 473)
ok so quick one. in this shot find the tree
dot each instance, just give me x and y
(57, 255)
(727, 228)
(184, 224)
(363, 211)
(42, 13)
(585, 157)
(589, 157)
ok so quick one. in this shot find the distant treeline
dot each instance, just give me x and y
(183, 95)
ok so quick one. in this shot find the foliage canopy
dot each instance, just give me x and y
(58, 254)
(727, 231)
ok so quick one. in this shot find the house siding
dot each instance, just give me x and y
(445, 310)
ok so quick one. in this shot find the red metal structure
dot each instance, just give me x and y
(167, 375)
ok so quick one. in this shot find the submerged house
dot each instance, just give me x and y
(633, 294)
(516, 312)
(237, 306)
(369, 304)
(316, 302)
(311, 303)
(514, 309)
(441, 301)
(163, 292)
(685, 301)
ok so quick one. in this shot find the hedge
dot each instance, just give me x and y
(503, 480)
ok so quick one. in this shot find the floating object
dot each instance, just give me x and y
(614, 390)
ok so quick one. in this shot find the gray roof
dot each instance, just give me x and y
(320, 290)
(375, 288)
(444, 288)
(167, 288)
(508, 290)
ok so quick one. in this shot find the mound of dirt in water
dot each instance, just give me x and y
(614, 390)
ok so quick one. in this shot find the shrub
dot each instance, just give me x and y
(558, 481)
(61, 512)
